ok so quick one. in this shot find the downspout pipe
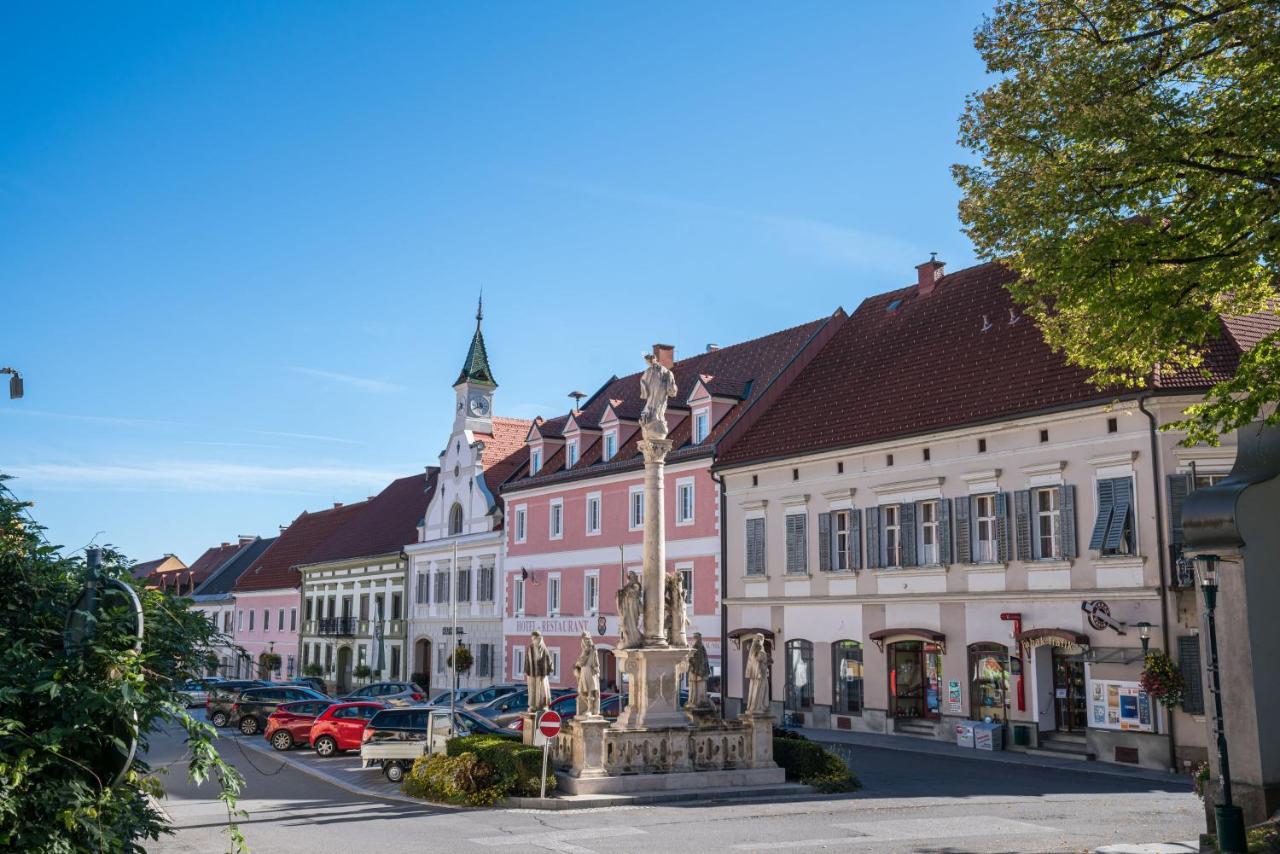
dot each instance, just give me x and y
(1162, 555)
(724, 593)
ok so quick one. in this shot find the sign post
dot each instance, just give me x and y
(548, 728)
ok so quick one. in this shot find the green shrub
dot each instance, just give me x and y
(478, 770)
(807, 762)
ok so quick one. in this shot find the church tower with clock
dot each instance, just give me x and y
(475, 386)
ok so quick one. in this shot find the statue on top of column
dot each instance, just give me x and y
(657, 386)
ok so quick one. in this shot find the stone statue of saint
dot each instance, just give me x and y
(757, 676)
(587, 669)
(677, 619)
(699, 669)
(537, 672)
(657, 386)
(628, 597)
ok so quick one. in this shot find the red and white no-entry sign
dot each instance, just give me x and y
(549, 723)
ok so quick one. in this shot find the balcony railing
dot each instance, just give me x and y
(337, 626)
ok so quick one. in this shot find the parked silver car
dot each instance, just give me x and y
(196, 691)
(390, 693)
(485, 696)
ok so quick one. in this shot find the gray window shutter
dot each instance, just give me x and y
(874, 536)
(755, 547)
(908, 523)
(855, 539)
(824, 542)
(1120, 515)
(1022, 524)
(1192, 674)
(1067, 520)
(964, 551)
(944, 532)
(1106, 505)
(1002, 526)
(797, 547)
(1180, 487)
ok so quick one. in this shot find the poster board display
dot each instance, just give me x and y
(954, 704)
(1120, 706)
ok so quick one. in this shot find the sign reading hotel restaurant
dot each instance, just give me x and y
(554, 626)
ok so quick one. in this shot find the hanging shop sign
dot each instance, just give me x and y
(1100, 616)
(1120, 706)
(1071, 642)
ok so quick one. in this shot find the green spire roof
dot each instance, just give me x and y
(476, 367)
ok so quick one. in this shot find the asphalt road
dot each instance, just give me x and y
(910, 802)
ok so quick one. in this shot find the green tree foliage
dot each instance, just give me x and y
(1128, 164)
(58, 713)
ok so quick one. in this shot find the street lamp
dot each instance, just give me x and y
(1144, 633)
(15, 382)
(1228, 817)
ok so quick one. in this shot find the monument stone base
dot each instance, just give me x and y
(738, 778)
(653, 687)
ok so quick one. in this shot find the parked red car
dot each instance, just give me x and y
(290, 724)
(341, 726)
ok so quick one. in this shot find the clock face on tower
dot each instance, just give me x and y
(479, 405)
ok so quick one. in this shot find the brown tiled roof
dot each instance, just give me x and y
(205, 565)
(142, 569)
(504, 450)
(296, 544)
(748, 367)
(385, 524)
(905, 365)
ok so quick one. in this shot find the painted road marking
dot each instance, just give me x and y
(896, 830)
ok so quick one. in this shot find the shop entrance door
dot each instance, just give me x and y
(1068, 692)
(915, 672)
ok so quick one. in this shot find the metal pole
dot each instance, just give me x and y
(453, 599)
(546, 744)
(1228, 818)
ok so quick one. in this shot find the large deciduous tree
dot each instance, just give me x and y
(1128, 165)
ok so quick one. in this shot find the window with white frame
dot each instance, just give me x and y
(517, 596)
(929, 532)
(610, 445)
(755, 546)
(684, 502)
(555, 663)
(1046, 516)
(797, 552)
(251, 612)
(555, 526)
(892, 534)
(840, 529)
(571, 454)
(293, 619)
(701, 425)
(517, 663)
(266, 619)
(522, 523)
(484, 584)
(420, 591)
(442, 585)
(535, 461)
(1113, 529)
(591, 595)
(239, 621)
(686, 577)
(553, 595)
(635, 513)
(984, 523)
(593, 513)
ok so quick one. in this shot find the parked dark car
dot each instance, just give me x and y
(315, 683)
(390, 693)
(567, 708)
(485, 696)
(441, 698)
(217, 705)
(251, 709)
(290, 724)
(507, 708)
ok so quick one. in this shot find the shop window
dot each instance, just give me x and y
(799, 674)
(989, 682)
(915, 677)
(846, 676)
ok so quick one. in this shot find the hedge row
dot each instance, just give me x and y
(478, 770)
(807, 762)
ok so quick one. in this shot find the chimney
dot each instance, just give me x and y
(337, 504)
(665, 353)
(928, 274)
(246, 538)
(711, 348)
(225, 544)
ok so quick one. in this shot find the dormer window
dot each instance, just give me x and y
(571, 454)
(610, 445)
(535, 460)
(701, 425)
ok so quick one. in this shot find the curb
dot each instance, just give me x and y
(1146, 774)
(786, 791)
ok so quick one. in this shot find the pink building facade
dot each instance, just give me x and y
(574, 511)
(267, 621)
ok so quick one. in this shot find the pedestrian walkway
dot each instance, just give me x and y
(840, 741)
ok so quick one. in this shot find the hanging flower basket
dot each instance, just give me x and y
(1162, 679)
(461, 659)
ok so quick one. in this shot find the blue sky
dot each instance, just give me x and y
(240, 245)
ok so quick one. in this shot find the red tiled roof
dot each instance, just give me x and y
(296, 544)
(753, 365)
(905, 365)
(504, 450)
(385, 524)
(209, 561)
(143, 569)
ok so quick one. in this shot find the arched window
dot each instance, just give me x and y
(455, 519)
(846, 677)
(799, 674)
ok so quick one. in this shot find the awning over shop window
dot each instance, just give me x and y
(736, 635)
(887, 636)
(1061, 638)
